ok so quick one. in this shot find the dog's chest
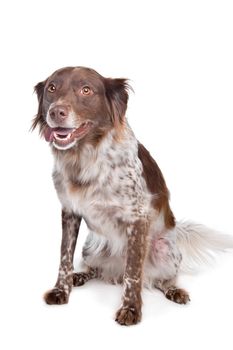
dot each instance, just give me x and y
(114, 192)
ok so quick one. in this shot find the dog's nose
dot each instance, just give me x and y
(59, 113)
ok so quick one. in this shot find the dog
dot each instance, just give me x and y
(106, 177)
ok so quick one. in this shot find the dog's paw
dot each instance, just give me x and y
(56, 296)
(79, 279)
(177, 295)
(127, 316)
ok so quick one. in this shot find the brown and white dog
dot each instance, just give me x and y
(105, 176)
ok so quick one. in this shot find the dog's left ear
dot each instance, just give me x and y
(117, 96)
(39, 119)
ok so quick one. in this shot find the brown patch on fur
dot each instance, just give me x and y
(120, 132)
(95, 138)
(169, 218)
(56, 296)
(128, 316)
(171, 291)
(178, 295)
(39, 119)
(76, 185)
(80, 278)
(117, 96)
(156, 185)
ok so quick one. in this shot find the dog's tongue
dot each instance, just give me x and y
(49, 132)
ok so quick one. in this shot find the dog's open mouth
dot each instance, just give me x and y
(65, 136)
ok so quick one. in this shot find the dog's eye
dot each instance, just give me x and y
(86, 90)
(51, 88)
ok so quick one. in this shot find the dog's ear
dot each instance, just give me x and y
(39, 119)
(117, 96)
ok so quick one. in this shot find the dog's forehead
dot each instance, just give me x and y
(77, 74)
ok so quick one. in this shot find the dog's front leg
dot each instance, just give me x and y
(130, 311)
(70, 228)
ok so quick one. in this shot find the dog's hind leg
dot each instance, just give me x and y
(80, 278)
(171, 291)
(164, 261)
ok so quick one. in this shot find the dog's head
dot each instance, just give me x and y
(79, 104)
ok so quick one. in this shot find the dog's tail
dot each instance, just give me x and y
(199, 244)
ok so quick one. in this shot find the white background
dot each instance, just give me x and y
(179, 57)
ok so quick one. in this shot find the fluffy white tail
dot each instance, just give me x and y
(199, 244)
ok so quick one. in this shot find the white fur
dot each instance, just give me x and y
(199, 244)
(113, 266)
(63, 148)
(100, 199)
